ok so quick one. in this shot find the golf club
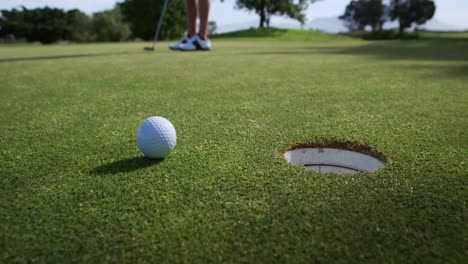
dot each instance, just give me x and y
(159, 27)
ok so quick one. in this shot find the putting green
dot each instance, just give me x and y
(74, 187)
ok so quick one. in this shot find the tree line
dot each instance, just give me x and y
(129, 19)
(49, 25)
(137, 18)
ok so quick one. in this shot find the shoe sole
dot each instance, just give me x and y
(195, 50)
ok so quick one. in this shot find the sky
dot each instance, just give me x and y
(451, 12)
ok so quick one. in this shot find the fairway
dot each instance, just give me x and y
(75, 188)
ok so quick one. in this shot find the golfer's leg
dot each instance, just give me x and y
(192, 13)
(204, 10)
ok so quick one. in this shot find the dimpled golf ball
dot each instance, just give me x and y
(156, 137)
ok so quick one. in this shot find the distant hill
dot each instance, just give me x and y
(327, 24)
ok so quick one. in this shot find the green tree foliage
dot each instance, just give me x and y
(362, 13)
(46, 25)
(267, 8)
(143, 15)
(49, 25)
(409, 12)
(109, 26)
(9, 24)
(79, 27)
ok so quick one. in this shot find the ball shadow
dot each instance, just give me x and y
(125, 165)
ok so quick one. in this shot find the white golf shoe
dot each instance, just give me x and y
(196, 43)
(181, 42)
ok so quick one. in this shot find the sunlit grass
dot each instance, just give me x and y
(73, 186)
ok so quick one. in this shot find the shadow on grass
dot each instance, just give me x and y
(424, 50)
(58, 57)
(125, 165)
(451, 52)
(428, 50)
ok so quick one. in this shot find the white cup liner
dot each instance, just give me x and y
(333, 160)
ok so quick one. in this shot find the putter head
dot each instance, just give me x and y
(148, 48)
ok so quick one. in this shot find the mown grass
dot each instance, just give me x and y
(74, 188)
(277, 34)
(395, 35)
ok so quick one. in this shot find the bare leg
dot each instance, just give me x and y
(204, 10)
(192, 13)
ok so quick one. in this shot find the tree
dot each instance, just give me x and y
(267, 8)
(109, 26)
(408, 12)
(362, 13)
(46, 25)
(79, 26)
(142, 15)
(10, 24)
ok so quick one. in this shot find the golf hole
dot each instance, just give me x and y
(339, 158)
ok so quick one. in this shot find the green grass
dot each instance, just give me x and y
(444, 35)
(74, 187)
(395, 35)
(277, 34)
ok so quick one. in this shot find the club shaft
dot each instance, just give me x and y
(160, 22)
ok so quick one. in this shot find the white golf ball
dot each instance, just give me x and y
(156, 137)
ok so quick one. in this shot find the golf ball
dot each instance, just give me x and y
(156, 137)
